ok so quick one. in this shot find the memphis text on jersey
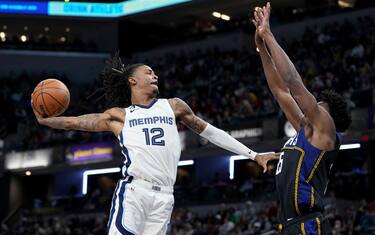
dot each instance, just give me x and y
(151, 120)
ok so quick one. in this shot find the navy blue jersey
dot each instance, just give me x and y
(302, 176)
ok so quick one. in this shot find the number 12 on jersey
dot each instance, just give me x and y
(156, 135)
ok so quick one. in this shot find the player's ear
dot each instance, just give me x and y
(132, 80)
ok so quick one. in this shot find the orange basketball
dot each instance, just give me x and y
(50, 98)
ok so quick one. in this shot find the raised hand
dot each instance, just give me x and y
(258, 40)
(262, 19)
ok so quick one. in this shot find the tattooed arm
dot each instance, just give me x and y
(110, 120)
(184, 114)
(216, 136)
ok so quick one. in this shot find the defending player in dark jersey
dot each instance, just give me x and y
(306, 159)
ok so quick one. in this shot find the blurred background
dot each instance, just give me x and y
(61, 182)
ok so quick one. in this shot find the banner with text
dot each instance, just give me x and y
(87, 153)
(84, 9)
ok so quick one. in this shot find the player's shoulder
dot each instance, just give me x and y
(175, 101)
(115, 112)
(180, 107)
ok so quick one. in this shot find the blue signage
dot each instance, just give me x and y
(82, 9)
(15, 7)
(137, 6)
(85, 9)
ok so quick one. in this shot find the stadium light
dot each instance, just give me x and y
(225, 17)
(186, 163)
(350, 146)
(345, 4)
(221, 16)
(23, 38)
(96, 172)
(232, 159)
(216, 14)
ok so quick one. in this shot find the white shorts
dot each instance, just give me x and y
(139, 207)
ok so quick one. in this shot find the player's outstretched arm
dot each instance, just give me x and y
(110, 120)
(277, 86)
(305, 100)
(216, 136)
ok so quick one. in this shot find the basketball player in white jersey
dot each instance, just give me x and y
(143, 200)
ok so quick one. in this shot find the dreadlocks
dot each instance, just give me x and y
(116, 87)
(337, 109)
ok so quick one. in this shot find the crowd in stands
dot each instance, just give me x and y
(81, 224)
(251, 219)
(218, 206)
(223, 87)
(248, 218)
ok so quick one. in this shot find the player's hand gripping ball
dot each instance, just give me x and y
(50, 98)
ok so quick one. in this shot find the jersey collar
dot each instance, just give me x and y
(147, 106)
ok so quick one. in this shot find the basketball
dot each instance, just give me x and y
(50, 98)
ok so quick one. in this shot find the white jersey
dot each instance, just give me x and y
(150, 143)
